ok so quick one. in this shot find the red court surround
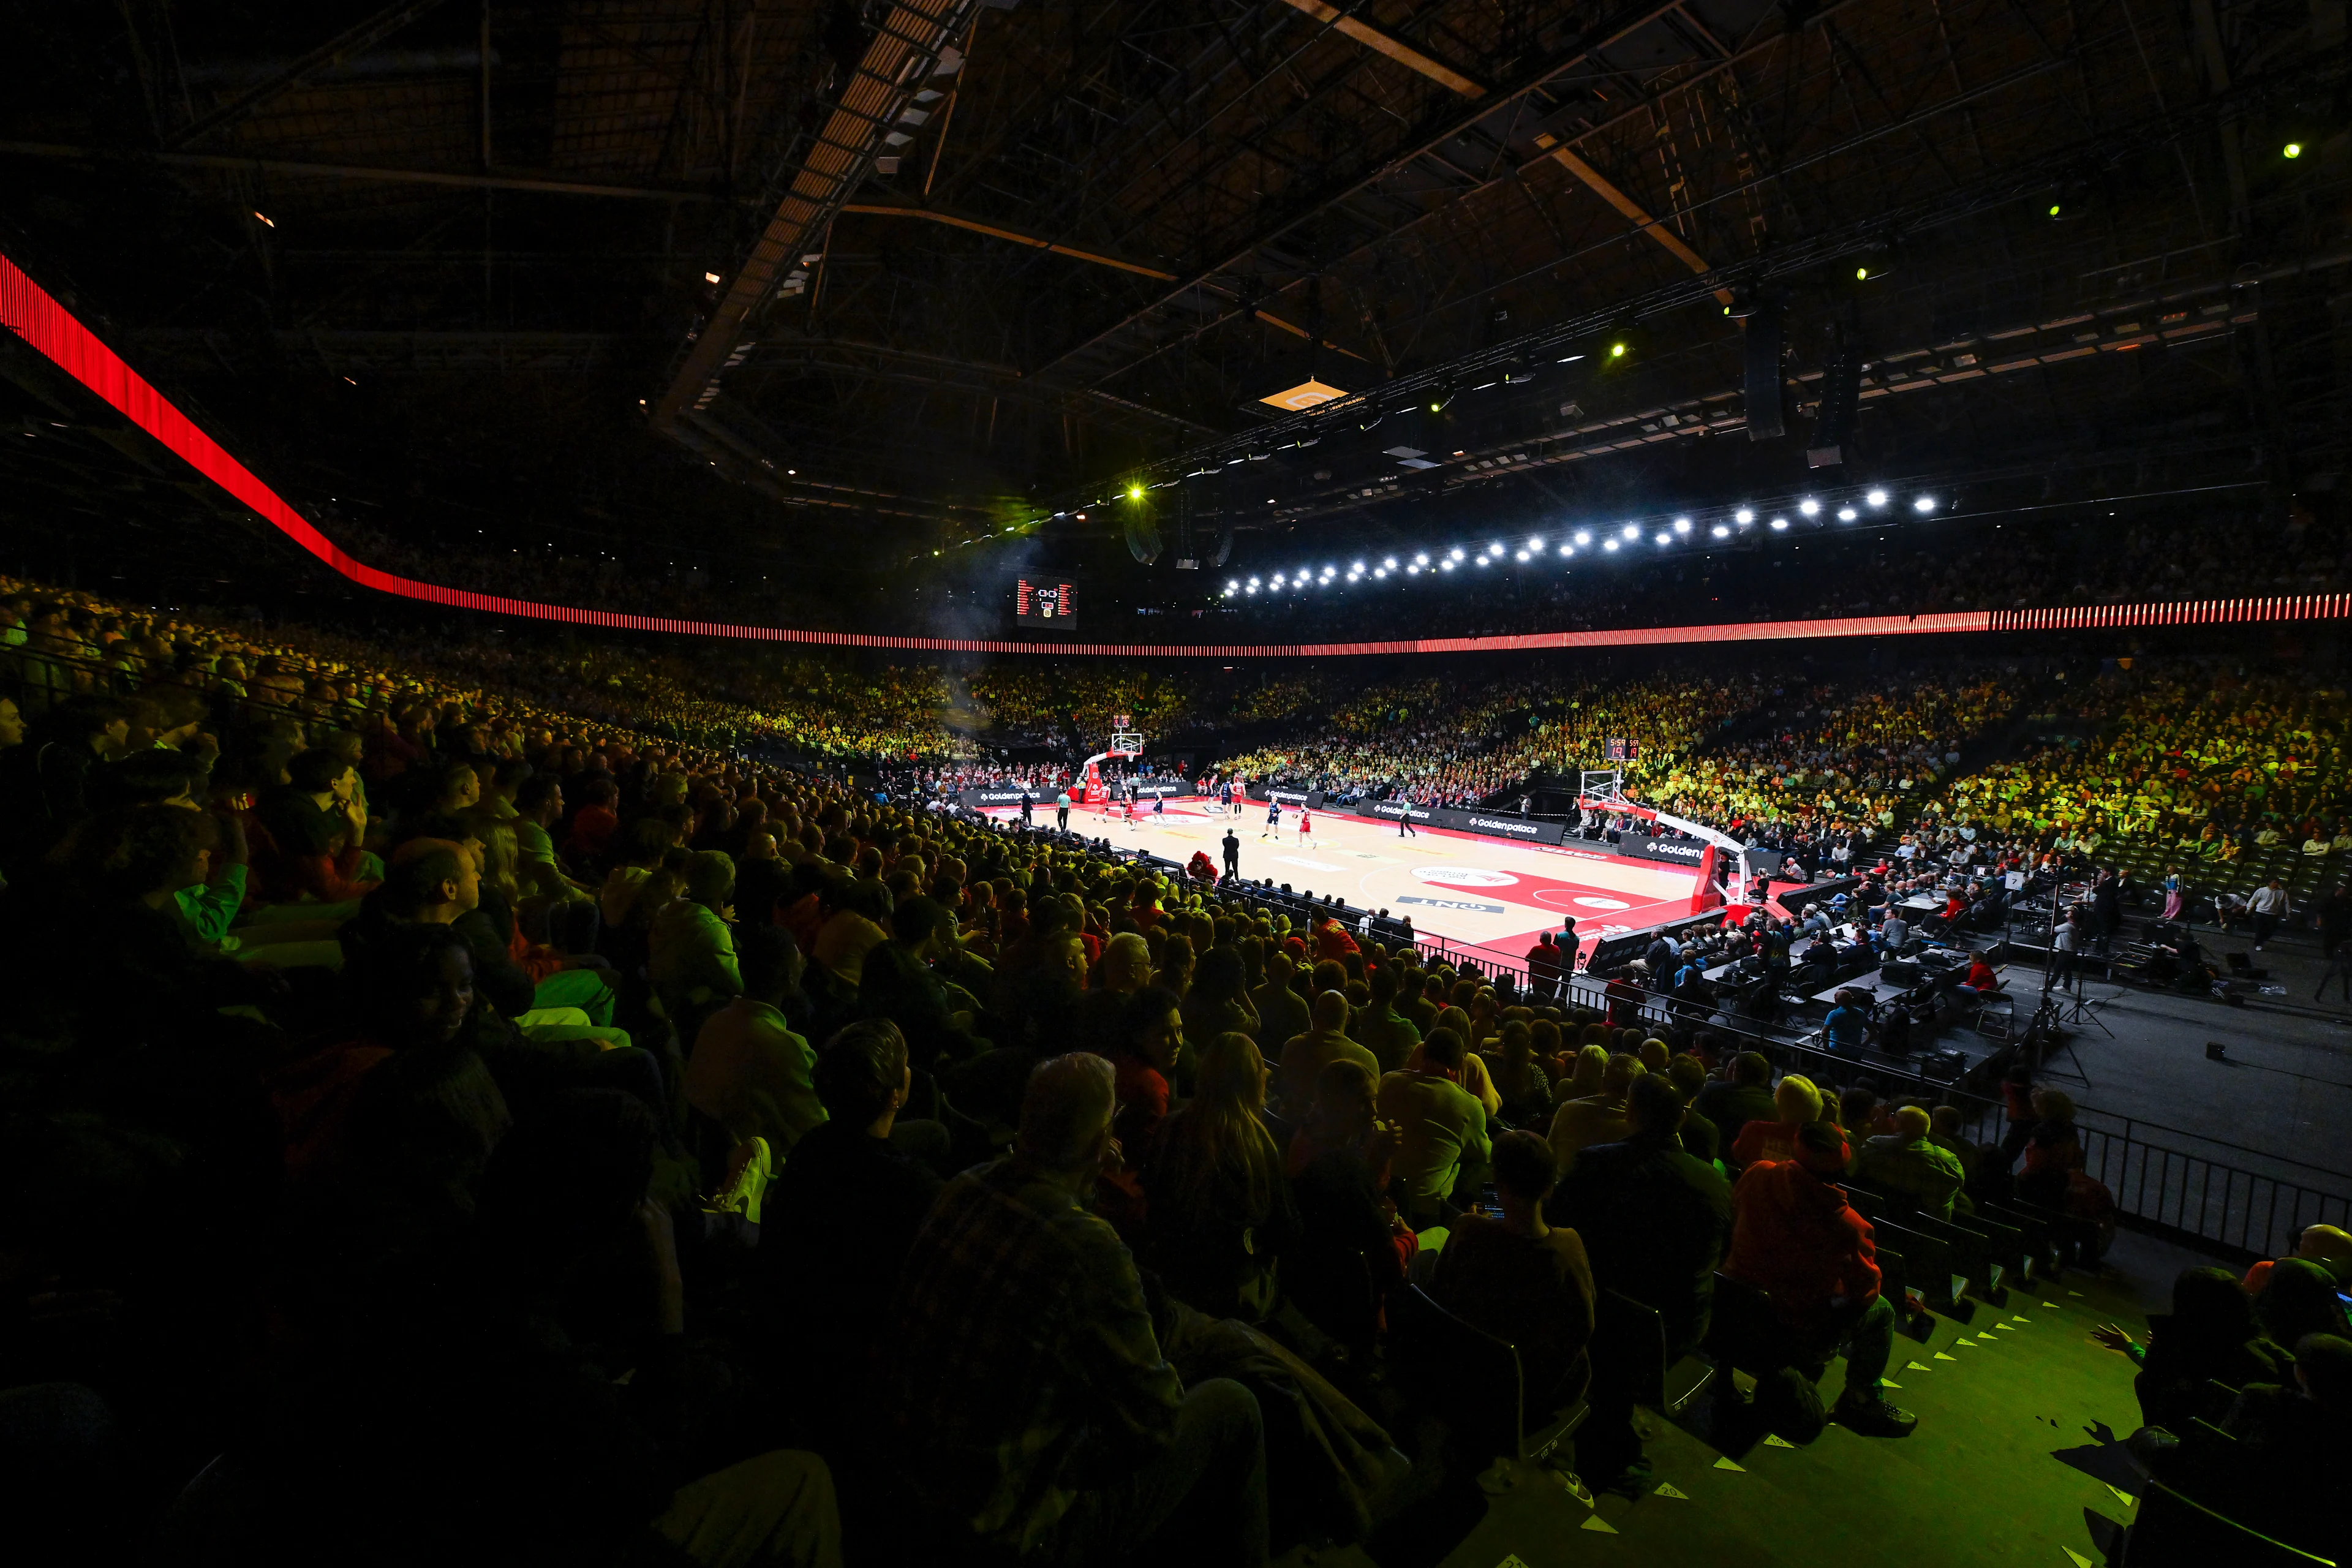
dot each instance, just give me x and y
(27, 310)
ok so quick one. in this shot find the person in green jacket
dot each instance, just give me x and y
(1442, 1149)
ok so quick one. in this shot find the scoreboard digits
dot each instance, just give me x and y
(1049, 603)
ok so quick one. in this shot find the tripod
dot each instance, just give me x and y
(2078, 1007)
(2046, 1032)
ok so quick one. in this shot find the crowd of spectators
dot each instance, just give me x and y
(1456, 743)
(454, 1127)
(1037, 700)
(2196, 757)
(2199, 757)
(1846, 759)
(445, 1125)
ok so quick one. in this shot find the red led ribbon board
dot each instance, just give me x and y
(27, 310)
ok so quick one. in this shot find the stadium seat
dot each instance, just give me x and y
(2172, 1530)
(1471, 1381)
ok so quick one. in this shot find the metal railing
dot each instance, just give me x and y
(2174, 1191)
(2169, 1181)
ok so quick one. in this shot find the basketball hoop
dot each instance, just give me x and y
(1126, 740)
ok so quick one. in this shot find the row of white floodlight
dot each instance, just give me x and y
(1582, 540)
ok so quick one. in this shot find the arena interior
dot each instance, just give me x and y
(1371, 783)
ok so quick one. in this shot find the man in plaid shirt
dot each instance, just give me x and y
(1031, 1401)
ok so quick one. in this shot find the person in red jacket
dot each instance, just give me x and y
(1332, 941)
(1794, 1236)
(1544, 967)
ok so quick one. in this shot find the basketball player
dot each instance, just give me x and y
(1273, 818)
(1306, 826)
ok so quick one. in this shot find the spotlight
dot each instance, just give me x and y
(1664, 539)
(1534, 544)
(1521, 555)
(1847, 514)
(1379, 571)
(1743, 516)
(1253, 588)
(1413, 570)
(1253, 582)
(1456, 554)
(1567, 549)
(1232, 586)
(1632, 531)
(1617, 350)
(1495, 548)
(1420, 559)
(1925, 503)
(1584, 536)
(1682, 525)
(1780, 523)
(1876, 498)
(1360, 566)
(1609, 544)
(1445, 565)
(1482, 560)
(2293, 150)
(1809, 507)
(1389, 564)
(1135, 492)
(1277, 579)
(1720, 532)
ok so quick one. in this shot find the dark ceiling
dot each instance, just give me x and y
(721, 276)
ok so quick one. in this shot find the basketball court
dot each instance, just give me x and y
(1480, 892)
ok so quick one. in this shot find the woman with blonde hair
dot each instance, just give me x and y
(1220, 1213)
(1584, 1078)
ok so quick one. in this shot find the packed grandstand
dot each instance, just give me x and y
(1146, 784)
(2191, 756)
(592, 880)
